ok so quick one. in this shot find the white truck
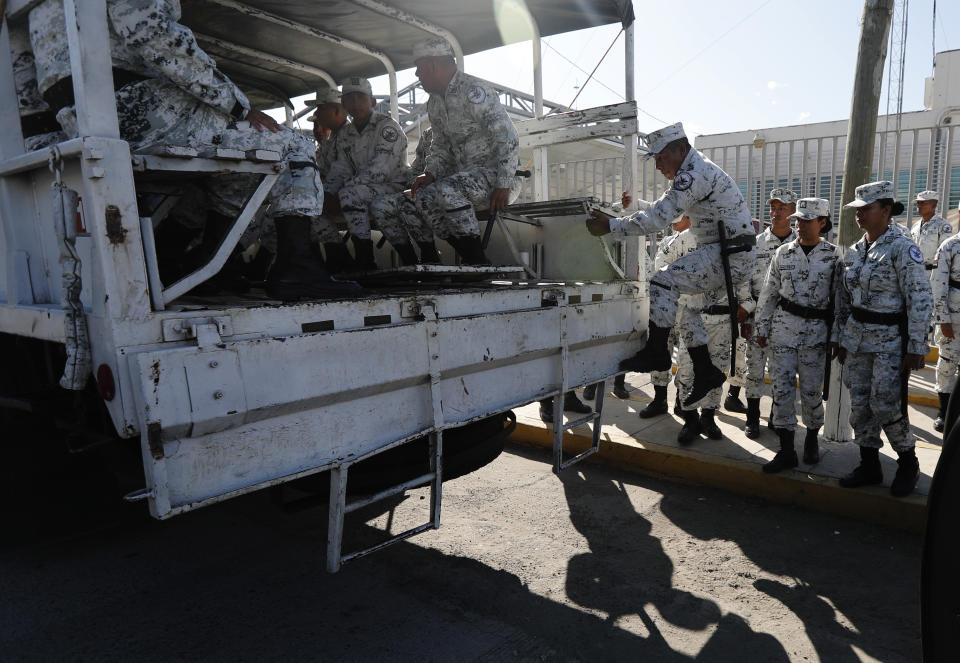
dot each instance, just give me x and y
(228, 395)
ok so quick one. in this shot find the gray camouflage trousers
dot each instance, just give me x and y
(397, 218)
(873, 379)
(697, 272)
(949, 362)
(718, 344)
(739, 376)
(786, 365)
(451, 209)
(757, 360)
(155, 113)
(355, 202)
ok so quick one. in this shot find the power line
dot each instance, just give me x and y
(619, 94)
(701, 51)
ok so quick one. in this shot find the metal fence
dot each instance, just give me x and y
(600, 178)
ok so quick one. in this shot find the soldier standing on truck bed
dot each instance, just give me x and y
(712, 200)
(397, 217)
(170, 92)
(475, 154)
(370, 160)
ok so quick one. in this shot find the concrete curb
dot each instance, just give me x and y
(873, 504)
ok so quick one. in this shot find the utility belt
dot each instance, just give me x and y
(929, 267)
(877, 318)
(954, 284)
(716, 309)
(60, 94)
(806, 312)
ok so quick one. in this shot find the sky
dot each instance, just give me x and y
(721, 66)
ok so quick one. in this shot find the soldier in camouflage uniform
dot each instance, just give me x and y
(328, 119)
(370, 160)
(170, 92)
(475, 154)
(945, 283)
(706, 194)
(397, 217)
(931, 230)
(794, 314)
(882, 316)
(38, 123)
(715, 311)
(783, 203)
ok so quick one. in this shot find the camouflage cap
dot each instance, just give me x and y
(868, 193)
(927, 195)
(356, 84)
(325, 95)
(785, 196)
(432, 47)
(811, 208)
(659, 139)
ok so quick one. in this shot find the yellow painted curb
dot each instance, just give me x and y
(745, 478)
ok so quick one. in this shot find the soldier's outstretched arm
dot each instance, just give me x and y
(150, 29)
(661, 213)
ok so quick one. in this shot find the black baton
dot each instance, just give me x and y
(732, 302)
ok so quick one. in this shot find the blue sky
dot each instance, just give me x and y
(722, 66)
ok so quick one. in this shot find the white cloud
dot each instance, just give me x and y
(805, 115)
(773, 85)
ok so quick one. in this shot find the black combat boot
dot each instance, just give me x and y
(573, 404)
(470, 249)
(658, 405)
(428, 253)
(867, 473)
(770, 418)
(752, 429)
(338, 259)
(942, 412)
(654, 356)
(786, 457)
(708, 425)
(691, 427)
(406, 254)
(706, 376)
(620, 387)
(296, 272)
(811, 447)
(546, 410)
(230, 278)
(908, 471)
(677, 410)
(732, 402)
(363, 254)
(590, 392)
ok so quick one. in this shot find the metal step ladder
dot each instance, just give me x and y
(559, 428)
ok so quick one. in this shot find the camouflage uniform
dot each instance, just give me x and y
(798, 344)
(475, 150)
(706, 194)
(929, 235)
(368, 163)
(322, 229)
(886, 277)
(946, 309)
(396, 214)
(757, 357)
(178, 97)
(717, 324)
(671, 248)
(37, 122)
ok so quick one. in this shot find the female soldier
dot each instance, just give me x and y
(792, 314)
(882, 316)
(946, 312)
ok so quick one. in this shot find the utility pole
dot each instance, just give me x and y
(862, 129)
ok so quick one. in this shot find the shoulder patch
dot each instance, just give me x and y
(915, 253)
(476, 94)
(389, 134)
(682, 181)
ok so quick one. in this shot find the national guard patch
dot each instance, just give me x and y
(682, 181)
(389, 134)
(476, 94)
(915, 253)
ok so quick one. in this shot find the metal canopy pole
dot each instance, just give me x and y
(325, 36)
(267, 57)
(631, 247)
(541, 169)
(404, 17)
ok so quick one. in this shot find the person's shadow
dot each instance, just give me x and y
(627, 569)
